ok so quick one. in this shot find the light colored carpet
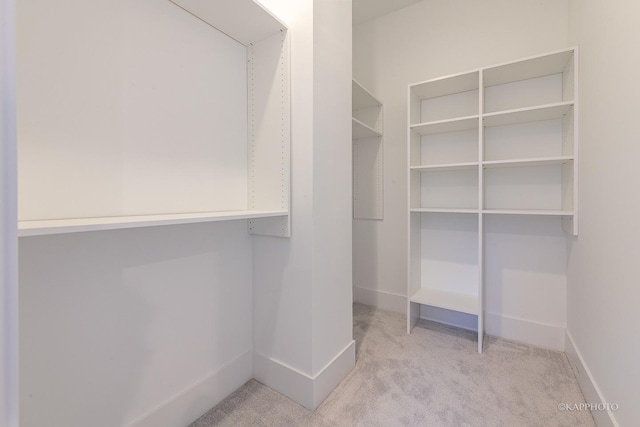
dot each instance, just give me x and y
(433, 377)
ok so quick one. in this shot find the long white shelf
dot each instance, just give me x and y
(447, 85)
(359, 130)
(458, 124)
(540, 161)
(446, 299)
(537, 66)
(245, 21)
(445, 167)
(446, 210)
(60, 226)
(529, 114)
(558, 212)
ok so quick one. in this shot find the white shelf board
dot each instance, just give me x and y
(361, 97)
(537, 66)
(245, 21)
(446, 210)
(360, 130)
(549, 212)
(447, 85)
(530, 114)
(60, 226)
(446, 126)
(542, 161)
(444, 299)
(445, 167)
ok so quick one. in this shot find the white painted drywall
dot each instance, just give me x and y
(431, 39)
(302, 296)
(113, 324)
(332, 247)
(128, 95)
(603, 291)
(119, 325)
(8, 222)
(282, 268)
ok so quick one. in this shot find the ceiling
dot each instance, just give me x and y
(366, 10)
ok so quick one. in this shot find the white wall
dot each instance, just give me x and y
(603, 291)
(332, 197)
(282, 268)
(172, 97)
(114, 324)
(431, 39)
(143, 326)
(302, 297)
(154, 326)
(8, 218)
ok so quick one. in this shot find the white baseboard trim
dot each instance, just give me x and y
(309, 391)
(380, 299)
(196, 400)
(333, 372)
(542, 335)
(588, 385)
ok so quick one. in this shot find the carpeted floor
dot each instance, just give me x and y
(433, 377)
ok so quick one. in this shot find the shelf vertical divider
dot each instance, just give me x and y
(480, 215)
(570, 224)
(269, 133)
(414, 219)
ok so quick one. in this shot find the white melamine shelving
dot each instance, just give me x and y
(368, 152)
(60, 226)
(219, 151)
(529, 114)
(497, 141)
(552, 212)
(444, 210)
(445, 167)
(446, 126)
(543, 161)
(445, 299)
(361, 131)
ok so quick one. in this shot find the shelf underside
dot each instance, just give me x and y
(446, 126)
(445, 167)
(359, 130)
(60, 226)
(540, 161)
(528, 68)
(446, 210)
(445, 299)
(524, 115)
(446, 85)
(544, 212)
(500, 118)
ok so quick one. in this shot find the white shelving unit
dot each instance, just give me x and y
(500, 140)
(222, 154)
(368, 151)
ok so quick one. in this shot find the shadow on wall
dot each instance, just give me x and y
(112, 322)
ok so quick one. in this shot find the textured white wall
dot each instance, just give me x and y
(431, 39)
(603, 291)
